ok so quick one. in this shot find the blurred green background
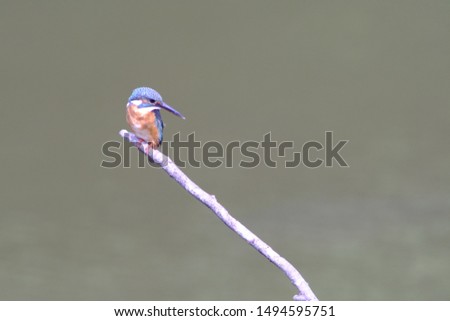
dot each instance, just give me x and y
(374, 72)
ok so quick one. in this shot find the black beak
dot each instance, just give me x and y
(171, 109)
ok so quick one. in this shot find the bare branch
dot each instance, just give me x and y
(305, 292)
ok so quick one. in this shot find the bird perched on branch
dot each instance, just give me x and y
(144, 117)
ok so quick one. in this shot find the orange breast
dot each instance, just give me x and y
(142, 122)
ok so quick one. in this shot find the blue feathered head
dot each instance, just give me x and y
(145, 92)
(154, 98)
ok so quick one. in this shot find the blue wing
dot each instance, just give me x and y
(159, 124)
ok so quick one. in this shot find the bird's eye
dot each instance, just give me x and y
(152, 101)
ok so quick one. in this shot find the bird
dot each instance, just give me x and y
(144, 117)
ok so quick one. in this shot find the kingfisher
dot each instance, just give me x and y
(144, 117)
